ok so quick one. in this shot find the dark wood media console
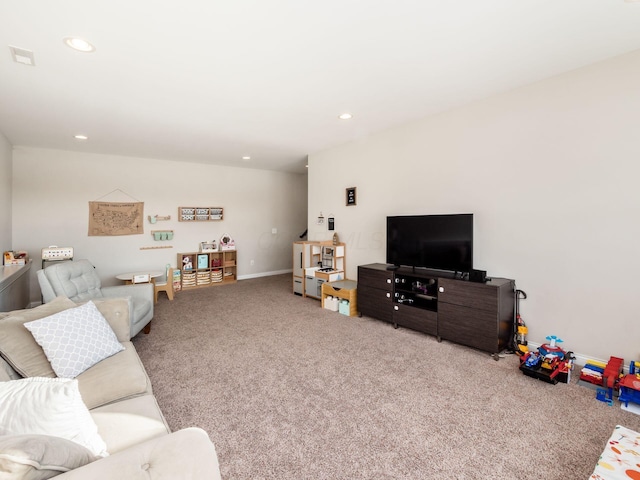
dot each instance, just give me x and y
(479, 315)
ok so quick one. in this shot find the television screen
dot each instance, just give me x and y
(440, 242)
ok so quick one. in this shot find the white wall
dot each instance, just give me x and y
(52, 190)
(550, 172)
(5, 194)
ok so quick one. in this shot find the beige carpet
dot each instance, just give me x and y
(287, 390)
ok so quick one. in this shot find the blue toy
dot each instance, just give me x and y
(630, 386)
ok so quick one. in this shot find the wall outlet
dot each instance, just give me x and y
(251, 262)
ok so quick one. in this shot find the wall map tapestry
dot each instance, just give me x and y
(115, 218)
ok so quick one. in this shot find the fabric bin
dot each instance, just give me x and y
(343, 308)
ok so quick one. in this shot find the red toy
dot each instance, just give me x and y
(550, 363)
(612, 372)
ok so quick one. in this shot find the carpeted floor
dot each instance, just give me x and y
(287, 390)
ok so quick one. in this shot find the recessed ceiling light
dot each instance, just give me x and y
(81, 137)
(345, 116)
(78, 44)
(246, 157)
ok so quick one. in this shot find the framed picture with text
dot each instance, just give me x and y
(351, 196)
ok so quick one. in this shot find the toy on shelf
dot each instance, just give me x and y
(227, 243)
(16, 258)
(550, 363)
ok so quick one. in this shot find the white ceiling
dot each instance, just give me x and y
(212, 81)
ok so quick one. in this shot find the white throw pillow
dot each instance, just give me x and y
(48, 406)
(75, 339)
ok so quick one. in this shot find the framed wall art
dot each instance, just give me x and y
(351, 196)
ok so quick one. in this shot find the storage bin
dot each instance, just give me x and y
(334, 304)
(327, 302)
(344, 307)
(331, 303)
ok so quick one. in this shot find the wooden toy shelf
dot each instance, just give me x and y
(207, 269)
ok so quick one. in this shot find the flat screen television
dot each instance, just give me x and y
(439, 242)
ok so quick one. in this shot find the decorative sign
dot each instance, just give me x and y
(351, 196)
(115, 218)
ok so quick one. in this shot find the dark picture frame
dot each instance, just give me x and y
(351, 196)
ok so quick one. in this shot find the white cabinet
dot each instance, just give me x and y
(298, 259)
(313, 286)
(302, 258)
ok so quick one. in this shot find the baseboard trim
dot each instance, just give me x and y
(264, 274)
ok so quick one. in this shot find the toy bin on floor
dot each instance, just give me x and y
(343, 308)
(331, 303)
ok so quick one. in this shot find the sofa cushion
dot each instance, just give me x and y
(17, 345)
(188, 453)
(39, 457)
(115, 378)
(116, 311)
(75, 339)
(129, 422)
(48, 406)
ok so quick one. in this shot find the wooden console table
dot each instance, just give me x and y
(479, 315)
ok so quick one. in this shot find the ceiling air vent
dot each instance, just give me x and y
(20, 55)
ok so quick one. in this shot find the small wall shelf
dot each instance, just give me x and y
(162, 234)
(199, 214)
(158, 218)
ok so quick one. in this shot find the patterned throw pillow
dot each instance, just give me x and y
(75, 339)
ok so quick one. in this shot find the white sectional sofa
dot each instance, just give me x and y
(39, 411)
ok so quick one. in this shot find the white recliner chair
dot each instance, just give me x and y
(79, 281)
